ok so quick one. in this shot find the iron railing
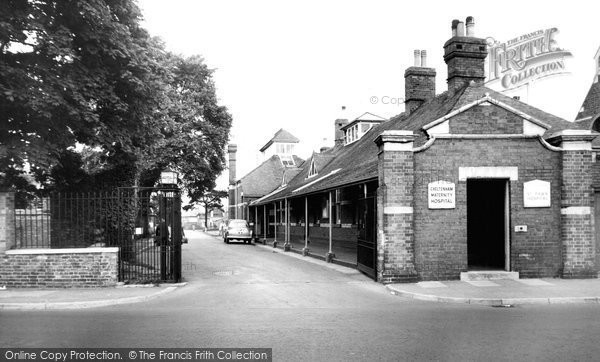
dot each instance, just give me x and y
(72, 220)
(128, 218)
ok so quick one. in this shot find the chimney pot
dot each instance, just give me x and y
(417, 58)
(454, 26)
(460, 29)
(470, 26)
(419, 83)
(465, 56)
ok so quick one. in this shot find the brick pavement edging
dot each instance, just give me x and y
(492, 301)
(87, 303)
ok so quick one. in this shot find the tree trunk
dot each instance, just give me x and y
(205, 216)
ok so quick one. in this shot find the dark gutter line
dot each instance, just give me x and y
(320, 191)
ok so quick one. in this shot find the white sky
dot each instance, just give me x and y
(293, 64)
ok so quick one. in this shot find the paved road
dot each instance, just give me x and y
(246, 296)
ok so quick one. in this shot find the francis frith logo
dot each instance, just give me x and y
(525, 58)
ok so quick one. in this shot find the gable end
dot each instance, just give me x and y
(486, 116)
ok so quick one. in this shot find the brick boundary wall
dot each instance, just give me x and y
(59, 268)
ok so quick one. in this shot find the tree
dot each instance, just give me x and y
(73, 72)
(210, 200)
(196, 128)
(89, 99)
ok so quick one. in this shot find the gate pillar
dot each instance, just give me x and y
(395, 236)
(577, 217)
(7, 221)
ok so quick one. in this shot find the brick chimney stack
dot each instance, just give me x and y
(232, 150)
(465, 56)
(340, 122)
(419, 82)
(232, 197)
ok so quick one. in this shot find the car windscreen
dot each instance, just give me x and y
(238, 224)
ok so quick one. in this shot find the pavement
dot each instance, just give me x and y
(486, 292)
(501, 293)
(76, 298)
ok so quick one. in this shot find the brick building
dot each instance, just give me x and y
(280, 163)
(462, 181)
(590, 108)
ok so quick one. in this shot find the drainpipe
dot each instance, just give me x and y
(255, 222)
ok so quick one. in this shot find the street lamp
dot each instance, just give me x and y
(171, 231)
(168, 177)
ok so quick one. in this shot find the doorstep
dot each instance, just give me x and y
(479, 275)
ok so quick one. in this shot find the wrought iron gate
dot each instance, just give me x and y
(144, 223)
(367, 236)
(151, 250)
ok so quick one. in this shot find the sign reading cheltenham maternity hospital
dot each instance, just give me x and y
(524, 59)
(441, 195)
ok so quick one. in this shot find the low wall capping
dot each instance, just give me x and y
(62, 251)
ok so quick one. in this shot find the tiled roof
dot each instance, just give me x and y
(357, 162)
(268, 176)
(322, 159)
(590, 109)
(281, 136)
(591, 103)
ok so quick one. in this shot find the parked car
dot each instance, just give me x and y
(237, 229)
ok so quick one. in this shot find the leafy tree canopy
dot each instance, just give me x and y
(210, 200)
(89, 99)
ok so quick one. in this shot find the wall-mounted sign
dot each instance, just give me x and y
(536, 193)
(441, 195)
(525, 58)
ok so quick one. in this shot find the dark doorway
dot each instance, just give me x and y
(367, 233)
(486, 224)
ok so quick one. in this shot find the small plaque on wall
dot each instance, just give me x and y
(441, 195)
(536, 193)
